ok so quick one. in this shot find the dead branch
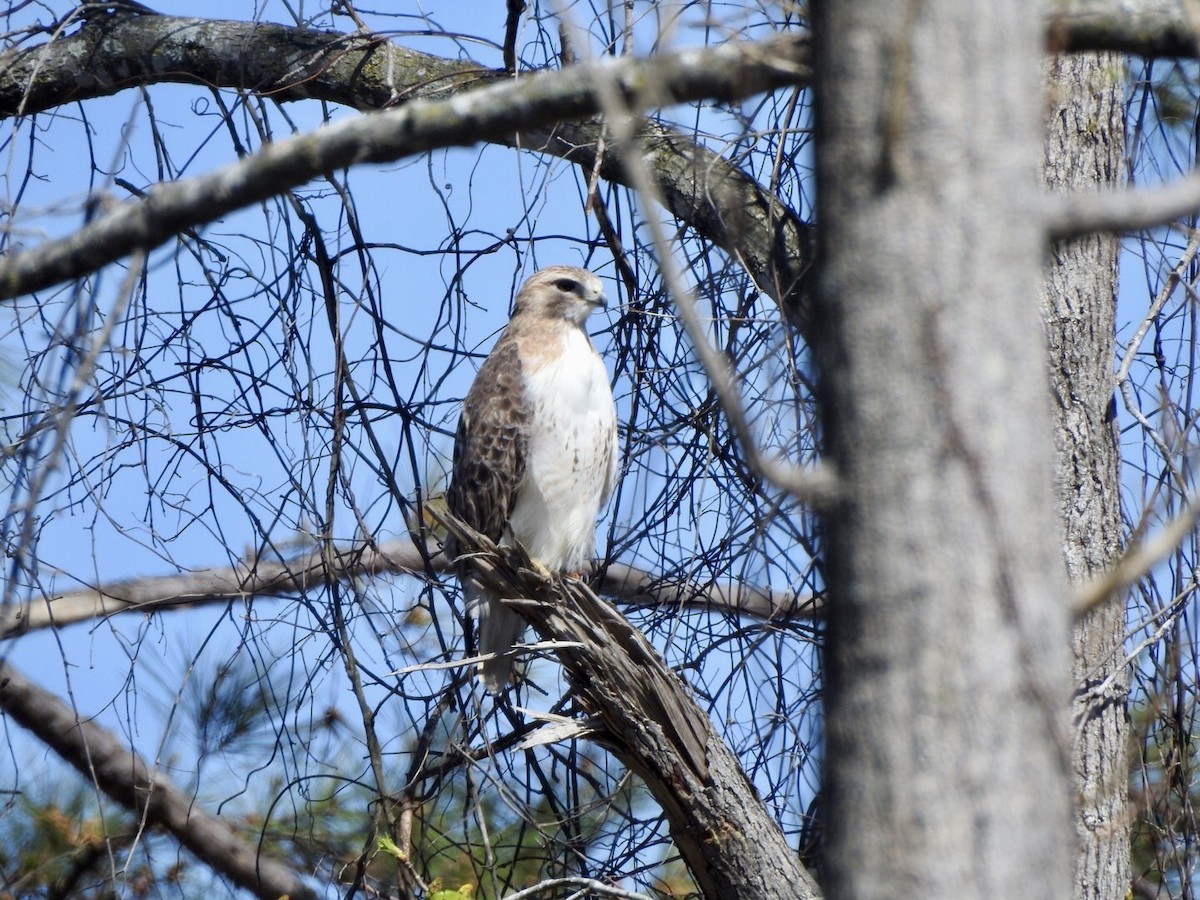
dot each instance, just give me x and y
(712, 196)
(642, 711)
(263, 579)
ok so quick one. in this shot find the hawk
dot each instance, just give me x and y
(535, 456)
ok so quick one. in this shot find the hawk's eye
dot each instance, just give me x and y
(566, 285)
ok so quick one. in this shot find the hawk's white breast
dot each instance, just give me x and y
(571, 454)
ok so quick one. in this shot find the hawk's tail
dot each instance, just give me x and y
(499, 631)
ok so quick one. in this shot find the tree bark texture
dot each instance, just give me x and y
(104, 51)
(644, 714)
(101, 758)
(1084, 151)
(947, 763)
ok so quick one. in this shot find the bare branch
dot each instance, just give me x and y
(498, 113)
(636, 587)
(1173, 280)
(515, 9)
(816, 486)
(103, 759)
(641, 711)
(262, 578)
(582, 887)
(112, 52)
(1146, 28)
(1137, 561)
(118, 49)
(1128, 209)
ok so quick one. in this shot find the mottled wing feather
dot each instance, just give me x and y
(490, 447)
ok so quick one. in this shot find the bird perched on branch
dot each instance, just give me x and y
(535, 457)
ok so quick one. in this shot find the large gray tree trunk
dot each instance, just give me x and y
(947, 755)
(1085, 149)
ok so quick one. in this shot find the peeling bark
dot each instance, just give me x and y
(643, 713)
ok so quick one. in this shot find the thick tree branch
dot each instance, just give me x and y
(1148, 28)
(1070, 216)
(115, 51)
(621, 582)
(533, 112)
(103, 759)
(643, 713)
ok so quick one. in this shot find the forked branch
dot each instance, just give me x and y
(643, 712)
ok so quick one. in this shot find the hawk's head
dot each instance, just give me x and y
(561, 292)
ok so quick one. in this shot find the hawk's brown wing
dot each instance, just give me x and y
(491, 444)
